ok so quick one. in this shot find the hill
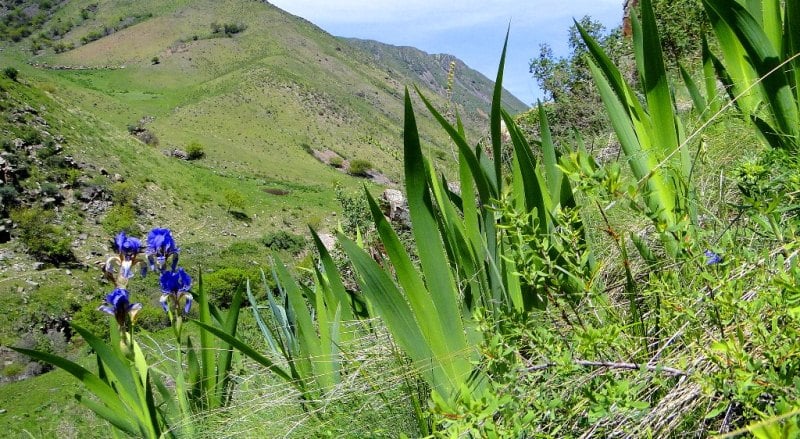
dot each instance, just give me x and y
(229, 122)
(273, 107)
(471, 90)
(271, 100)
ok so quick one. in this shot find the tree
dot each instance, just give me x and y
(234, 200)
(567, 82)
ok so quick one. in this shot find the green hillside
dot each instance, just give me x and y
(259, 92)
(107, 91)
(471, 90)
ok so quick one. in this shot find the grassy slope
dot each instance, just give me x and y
(252, 101)
(471, 89)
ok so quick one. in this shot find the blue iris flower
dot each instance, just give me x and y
(127, 249)
(118, 305)
(175, 285)
(160, 247)
(712, 258)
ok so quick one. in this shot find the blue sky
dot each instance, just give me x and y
(472, 30)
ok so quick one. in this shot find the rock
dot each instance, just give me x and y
(180, 154)
(18, 143)
(103, 171)
(38, 266)
(396, 206)
(68, 272)
(328, 240)
(118, 178)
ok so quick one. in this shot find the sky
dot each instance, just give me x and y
(472, 30)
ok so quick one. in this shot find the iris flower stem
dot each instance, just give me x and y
(180, 380)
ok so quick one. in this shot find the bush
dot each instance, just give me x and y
(151, 318)
(220, 285)
(44, 239)
(94, 321)
(8, 196)
(336, 162)
(234, 200)
(123, 193)
(360, 167)
(148, 137)
(195, 150)
(11, 73)
(120, 218)
(285, 241)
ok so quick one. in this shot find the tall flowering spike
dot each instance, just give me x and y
(175, 285)
(127, 251)
(118, 305)
(160, 247)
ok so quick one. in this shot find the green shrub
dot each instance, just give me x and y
(11, 73)
(222, 284)
(234, 200)
(120, 218)
(13, 370)
(336, 162)
(152, 318)
(360, 167)
(92, 320)
(43, 238)
(8, 196)
(123, 193)
(195, 150)
(282, 240)
(50, 189)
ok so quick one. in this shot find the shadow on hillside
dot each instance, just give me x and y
(241, 216)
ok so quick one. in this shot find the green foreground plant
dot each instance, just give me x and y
(132, 394)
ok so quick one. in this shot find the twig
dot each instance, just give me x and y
(612, 365)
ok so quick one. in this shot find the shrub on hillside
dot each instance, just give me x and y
(123, 193)
(11, 73)
(222, 284)
(195, 151)
(359, 167)
(283, 240)
(336, 162)
(37, 230)
(234, 200)
(120, 218)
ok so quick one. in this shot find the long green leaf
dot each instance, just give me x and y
(390, 304)
(426, 236)
(207, 347)
(225, 356)
(496, 117)
(307, 340)
(765, 60)
(265, 332)
(659, 98)
(119, 369)
(91, 381)
(115, 418)
(245, 349)
(485, 182)
(333, 279)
